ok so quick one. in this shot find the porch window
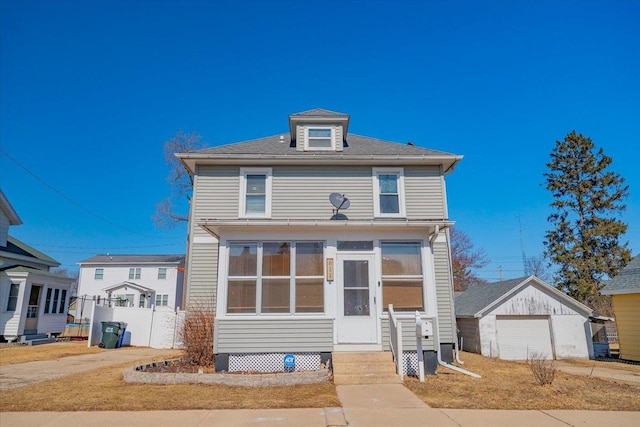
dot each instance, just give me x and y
(56, 296)
(63, 297)
(134, 273)
(276, 277)
(13, 297)
(402, 276)
(99, 274)
(47, 302)
(243, 277)
(309, 277)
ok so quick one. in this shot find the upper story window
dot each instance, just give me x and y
(388, 189)
(134, 273)
(319, 138)
(162, 273)
(255, 192)
(99, 274)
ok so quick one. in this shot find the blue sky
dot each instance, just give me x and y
(90, 90)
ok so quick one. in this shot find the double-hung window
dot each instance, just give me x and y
(162, 273)
(255, 192)
(388, 189)
(99, 274)
(276, 277)
(402, 275)
(162, 300)
(134, 273)
(319, 138)
(14, 290)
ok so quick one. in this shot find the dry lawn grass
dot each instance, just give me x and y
(21, 354)
(511, 385)
(104, 390)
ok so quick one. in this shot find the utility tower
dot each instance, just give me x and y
(524, 257)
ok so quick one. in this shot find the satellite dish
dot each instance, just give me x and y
(340, 201)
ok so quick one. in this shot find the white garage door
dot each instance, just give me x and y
(519, 336)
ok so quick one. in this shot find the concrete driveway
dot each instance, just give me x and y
(608, 373)
(23, 374)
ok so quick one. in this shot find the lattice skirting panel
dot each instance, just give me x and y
(410, 362)
(272, 362)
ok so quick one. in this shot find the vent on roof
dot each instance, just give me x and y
(410, 143)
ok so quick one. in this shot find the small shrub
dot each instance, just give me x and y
(197, 334)
(544, 371)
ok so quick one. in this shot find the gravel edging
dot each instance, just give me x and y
(136, 375)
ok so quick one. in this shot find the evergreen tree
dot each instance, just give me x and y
(587, 202)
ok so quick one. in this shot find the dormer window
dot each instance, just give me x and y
(319, 138)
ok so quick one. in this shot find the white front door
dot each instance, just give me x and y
(357, 313)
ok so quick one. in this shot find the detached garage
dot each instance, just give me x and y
(515, 318)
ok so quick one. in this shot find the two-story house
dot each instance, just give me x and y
(290, 270)
(132, 280)
(33, 300)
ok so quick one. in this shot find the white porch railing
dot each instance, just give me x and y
(395, 338)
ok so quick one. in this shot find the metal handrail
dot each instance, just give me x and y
(395, 338)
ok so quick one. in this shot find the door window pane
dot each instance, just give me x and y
(356, 274)
(243, 259)
(356, 302)
(242, 296)
(309, 296)
(275, 295)
(276, 259)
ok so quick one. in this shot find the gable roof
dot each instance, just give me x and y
(105, 259)
(319, 112)
(478, 300)
(127, 284)
(627, 281)
(8, 210)
(27, 270)
(17, 247)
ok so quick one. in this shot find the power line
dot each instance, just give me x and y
(76, 204)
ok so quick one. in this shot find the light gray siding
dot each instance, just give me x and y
(271, 335)
(408, 336)
(424, 193)
(470, 333)
(4, 228)
(303, 192)
(444, 291)
(216, 192)
(202, 282)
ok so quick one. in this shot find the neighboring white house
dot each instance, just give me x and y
(287, 273)
(514, 318)
(132, 280)
(33, 300)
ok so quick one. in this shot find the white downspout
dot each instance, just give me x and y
(436, 338)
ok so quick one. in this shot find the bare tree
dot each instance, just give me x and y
(537, 266)
(466, 260)
(179, 178)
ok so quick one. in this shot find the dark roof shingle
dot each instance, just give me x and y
(628, 279)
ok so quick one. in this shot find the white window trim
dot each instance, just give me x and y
(376, 192)
(243, 192)
(306, 139)
(224, 275)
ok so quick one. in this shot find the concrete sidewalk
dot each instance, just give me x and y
(23, 374)
(404, 417)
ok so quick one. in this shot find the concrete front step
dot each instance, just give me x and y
(355, 379)
(40, 341)
(364, 368)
